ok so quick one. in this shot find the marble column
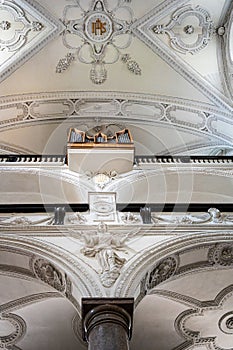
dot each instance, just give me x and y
(107, 323)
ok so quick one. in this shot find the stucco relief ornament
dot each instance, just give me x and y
(98, 34)
(76, 218)
(5, 25)
(130, 218)
(25, 221)
(221, 254)
(104, 245)
(213, 216)
(17, 36)
(161, 272)
(49, 274)
(194, 36)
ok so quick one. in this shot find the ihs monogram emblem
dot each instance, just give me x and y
(100, 30)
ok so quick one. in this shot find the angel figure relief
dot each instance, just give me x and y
(103, 245)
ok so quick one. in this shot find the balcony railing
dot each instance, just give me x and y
(32, 158)
(138, 160)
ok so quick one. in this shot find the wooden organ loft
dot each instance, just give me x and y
(100, 153)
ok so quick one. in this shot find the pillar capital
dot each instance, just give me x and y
(107, 316)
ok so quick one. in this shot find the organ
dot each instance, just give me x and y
(100, 152)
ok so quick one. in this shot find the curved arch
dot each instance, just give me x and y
(43, 183)
(171, 184)
(137, 268)
(80, 275)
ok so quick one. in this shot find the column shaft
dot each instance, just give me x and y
(107, 323)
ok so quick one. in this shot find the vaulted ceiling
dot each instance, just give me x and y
(163, 68)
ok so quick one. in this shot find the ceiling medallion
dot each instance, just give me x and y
(98, 27)
(97, 36)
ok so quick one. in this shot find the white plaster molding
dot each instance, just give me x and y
(151, 170)
(79, 107)
(25, 48)
(142, 30)
(137, 267)
(48, 171)
(19, 303)
(221, 335)
(78, 272)
(19, 325)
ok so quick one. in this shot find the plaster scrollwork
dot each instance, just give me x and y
(193, 324)
(15, 328)
(25, 28)
(213, 216)
(130, 218)
(143, 29)
(101, 180)
(221, 254)
(17, 36)
(195, 35)
(48, 273)
(105, 247)
(98, 35)
(76, 218)
(25, 221)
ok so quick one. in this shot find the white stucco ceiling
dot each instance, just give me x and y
(171, 73)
